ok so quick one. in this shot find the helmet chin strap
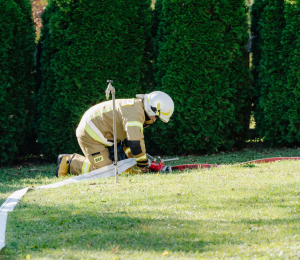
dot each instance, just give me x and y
(148, 120)
(157, 114)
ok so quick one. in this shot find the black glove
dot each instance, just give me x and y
(121, 153)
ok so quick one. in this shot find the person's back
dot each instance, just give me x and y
(97, 121)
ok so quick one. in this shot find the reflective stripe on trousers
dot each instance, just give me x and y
(86, 166)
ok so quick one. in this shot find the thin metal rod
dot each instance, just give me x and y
(152, 158)
(115, 136)
(112, 90)
(173, 159)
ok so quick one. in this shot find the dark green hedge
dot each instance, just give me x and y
(156, 33)
(84, 43)
(202, 65)
(290, 57)
(256, 49)
(276, 70)
(17, 46)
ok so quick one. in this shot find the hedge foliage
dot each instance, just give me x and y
(85, 43)
(156, 33)
(202, 65)
(257, 9)
(276, 69)
(291, 61)
(17, 46)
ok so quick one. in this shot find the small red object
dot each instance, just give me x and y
(156, 167)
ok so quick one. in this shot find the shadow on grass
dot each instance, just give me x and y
(58, 229)
(33, 228)
(15, 178)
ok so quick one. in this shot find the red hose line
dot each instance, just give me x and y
(266, 160)
(194, 166)
(275, 159)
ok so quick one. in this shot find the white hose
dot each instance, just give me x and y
(11, 202)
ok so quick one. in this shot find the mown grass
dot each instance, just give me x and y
(235, 212)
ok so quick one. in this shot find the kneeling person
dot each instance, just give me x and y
(95, 132)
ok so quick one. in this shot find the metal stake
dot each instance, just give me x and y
(112, 90)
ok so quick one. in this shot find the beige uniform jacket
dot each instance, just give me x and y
(97, 122)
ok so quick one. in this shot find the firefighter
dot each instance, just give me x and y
(95, 132)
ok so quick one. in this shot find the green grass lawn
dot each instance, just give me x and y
(235, 212)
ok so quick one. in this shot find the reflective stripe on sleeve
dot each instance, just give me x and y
(141, 158)
(85, 166)
(134, 123)
(127, 151)
(99, 113)
(94, 132)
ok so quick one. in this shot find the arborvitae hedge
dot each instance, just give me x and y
(16, 79)
(202, 65)
(270, 70)
(46, 95)
(277, 70)
(256, 49)
(156, 33)
(291, 61)
(84, 43)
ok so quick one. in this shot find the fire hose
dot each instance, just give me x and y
(161, 167)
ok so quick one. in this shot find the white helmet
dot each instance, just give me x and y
(159, 104)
